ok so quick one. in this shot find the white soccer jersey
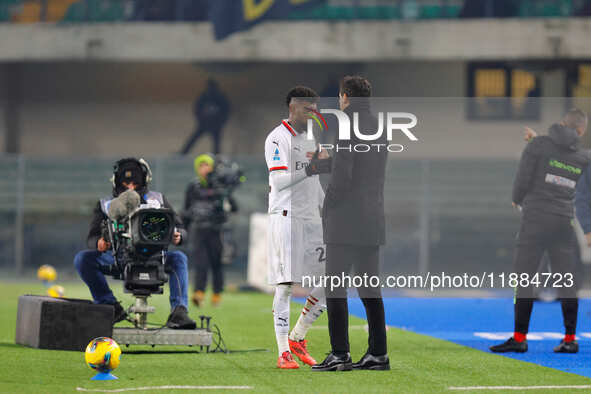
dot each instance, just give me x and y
(294, 240)
(285, 150)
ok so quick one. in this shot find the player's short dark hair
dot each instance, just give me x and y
(355, 86)
(302, 92)
(575, 118)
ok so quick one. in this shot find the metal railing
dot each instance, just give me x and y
(449, 214)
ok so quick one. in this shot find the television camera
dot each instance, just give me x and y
(222, 181)
(226, 175)
(139, 235)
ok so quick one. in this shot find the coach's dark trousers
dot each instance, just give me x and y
(354, 260)
(539, 233)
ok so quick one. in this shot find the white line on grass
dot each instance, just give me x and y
(587, 386)
(167, 388)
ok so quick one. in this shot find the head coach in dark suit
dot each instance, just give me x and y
(353, 225)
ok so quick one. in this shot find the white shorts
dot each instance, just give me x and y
(294, 249)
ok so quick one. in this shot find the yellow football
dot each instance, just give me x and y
(102, 354)
(47, 273)
(56, 291)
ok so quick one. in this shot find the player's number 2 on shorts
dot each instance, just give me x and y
(321, 254)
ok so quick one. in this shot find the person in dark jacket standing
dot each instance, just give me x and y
(353, 226)
(212, 110)
(205, 215)
(92, 264)
(544, 187)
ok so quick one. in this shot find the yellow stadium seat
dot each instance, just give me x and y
(56, 9)
(29, 13)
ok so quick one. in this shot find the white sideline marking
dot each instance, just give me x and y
(587, 386)
(168, 388)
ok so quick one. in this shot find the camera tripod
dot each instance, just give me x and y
(140, 311)
(142, 335)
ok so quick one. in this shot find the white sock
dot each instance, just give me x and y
(281, 316)
(315, 305)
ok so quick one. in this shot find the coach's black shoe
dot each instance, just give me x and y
(510, 346)
(567, 347)
(119, 314)
(335, 363)
(179, 319)
(374, 363)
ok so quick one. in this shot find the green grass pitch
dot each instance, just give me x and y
(419, 364)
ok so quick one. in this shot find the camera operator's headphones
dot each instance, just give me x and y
(146, 171)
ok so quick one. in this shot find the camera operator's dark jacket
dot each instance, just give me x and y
(353, 211)
(204, 205)
(98, 216)
(549, 169)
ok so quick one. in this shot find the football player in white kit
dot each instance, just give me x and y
(295, 246)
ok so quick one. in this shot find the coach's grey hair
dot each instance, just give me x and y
(575, 118)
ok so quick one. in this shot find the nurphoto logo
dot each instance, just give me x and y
(392, 126)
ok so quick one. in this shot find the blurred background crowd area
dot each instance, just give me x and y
(75, 96)
(71, 11)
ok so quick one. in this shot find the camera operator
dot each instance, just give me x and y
(93, 264)
(205, 213)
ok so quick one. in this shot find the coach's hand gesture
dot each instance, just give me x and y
(322, 154)
(529, 134)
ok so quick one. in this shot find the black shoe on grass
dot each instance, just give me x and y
(335, 362)
(567, 347)
(511, 345)
(374, 363)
